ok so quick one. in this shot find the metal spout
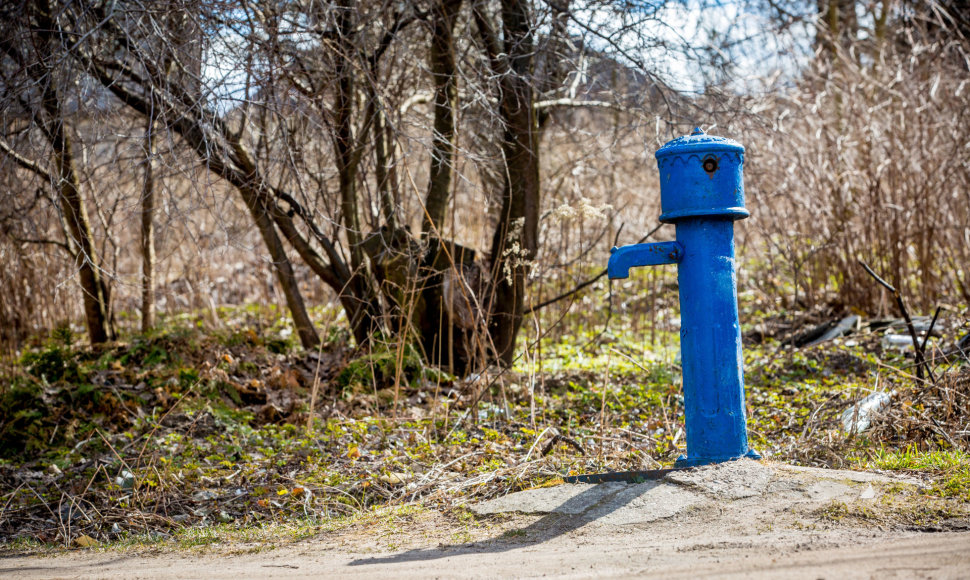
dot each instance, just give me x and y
(653, 254)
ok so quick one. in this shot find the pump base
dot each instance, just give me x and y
(684, 461)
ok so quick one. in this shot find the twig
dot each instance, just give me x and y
(315, 390)
(640, 435)
(809, 424)
(567, 102)
(589, 282)
(920, 359)
(885, 284)
(643, 368)
(53, 515)
(12, 495)
(534, 445)
(24, 162)
(929, 331)
(499, 375)
(557, 438)
(939, 429)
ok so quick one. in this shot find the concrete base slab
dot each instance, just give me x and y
(730, 480)
(622, 503)
(606, 503)
(848, 475)
(563, 499)
(644, 503)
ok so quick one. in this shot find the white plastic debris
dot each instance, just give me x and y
(900, 341)
(858, 417)
(126, 480)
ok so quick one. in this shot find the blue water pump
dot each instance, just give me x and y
(702, 194)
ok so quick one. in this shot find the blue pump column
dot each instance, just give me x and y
(702, 194)
(710, 343)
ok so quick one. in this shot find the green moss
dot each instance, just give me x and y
(52, 364)
(386, 363)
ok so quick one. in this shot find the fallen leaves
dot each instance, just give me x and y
(85, 541)
(394, 478)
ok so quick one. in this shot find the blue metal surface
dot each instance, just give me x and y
(688, 189)
(702, 193)
(654, 254)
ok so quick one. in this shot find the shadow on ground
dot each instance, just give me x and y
(568, 507)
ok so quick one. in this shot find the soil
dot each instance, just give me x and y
(738, 520)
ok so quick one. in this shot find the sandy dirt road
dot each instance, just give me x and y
(945, 555)
(743, 521)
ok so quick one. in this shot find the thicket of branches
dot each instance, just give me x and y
(429, 165)
(865, 158)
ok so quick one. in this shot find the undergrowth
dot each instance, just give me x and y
(195, 436)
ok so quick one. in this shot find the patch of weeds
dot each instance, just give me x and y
(24, 545)
(233, 534)
(160, 348)
(551, 482)
(278, 345)
(381, 366)
(242, 337)
(904, 508)
(950, 468)
(63, 335)
(209, 437)
(137, 540)
(834, 511)
(188, 377)
(231, 418)
(53, 364)
(194, 537)
(22, 406)
(37, 418)
(464, 515)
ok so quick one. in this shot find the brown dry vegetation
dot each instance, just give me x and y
(860, 157)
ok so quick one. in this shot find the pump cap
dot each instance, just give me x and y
(697, 142)
(700, 177)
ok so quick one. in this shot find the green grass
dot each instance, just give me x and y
(950, 466)
(913, 459)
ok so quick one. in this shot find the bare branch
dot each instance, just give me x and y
(577, 103)
(24, 162)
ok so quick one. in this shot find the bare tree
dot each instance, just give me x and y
(33, 43)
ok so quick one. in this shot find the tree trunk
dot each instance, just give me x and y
(442, 64)
(148, 231)
(358, 290)
(515, 241)
(93, 287)
(283, 268)
(76, 216)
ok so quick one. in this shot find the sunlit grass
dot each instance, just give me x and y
(913, 459)
(952, 466)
